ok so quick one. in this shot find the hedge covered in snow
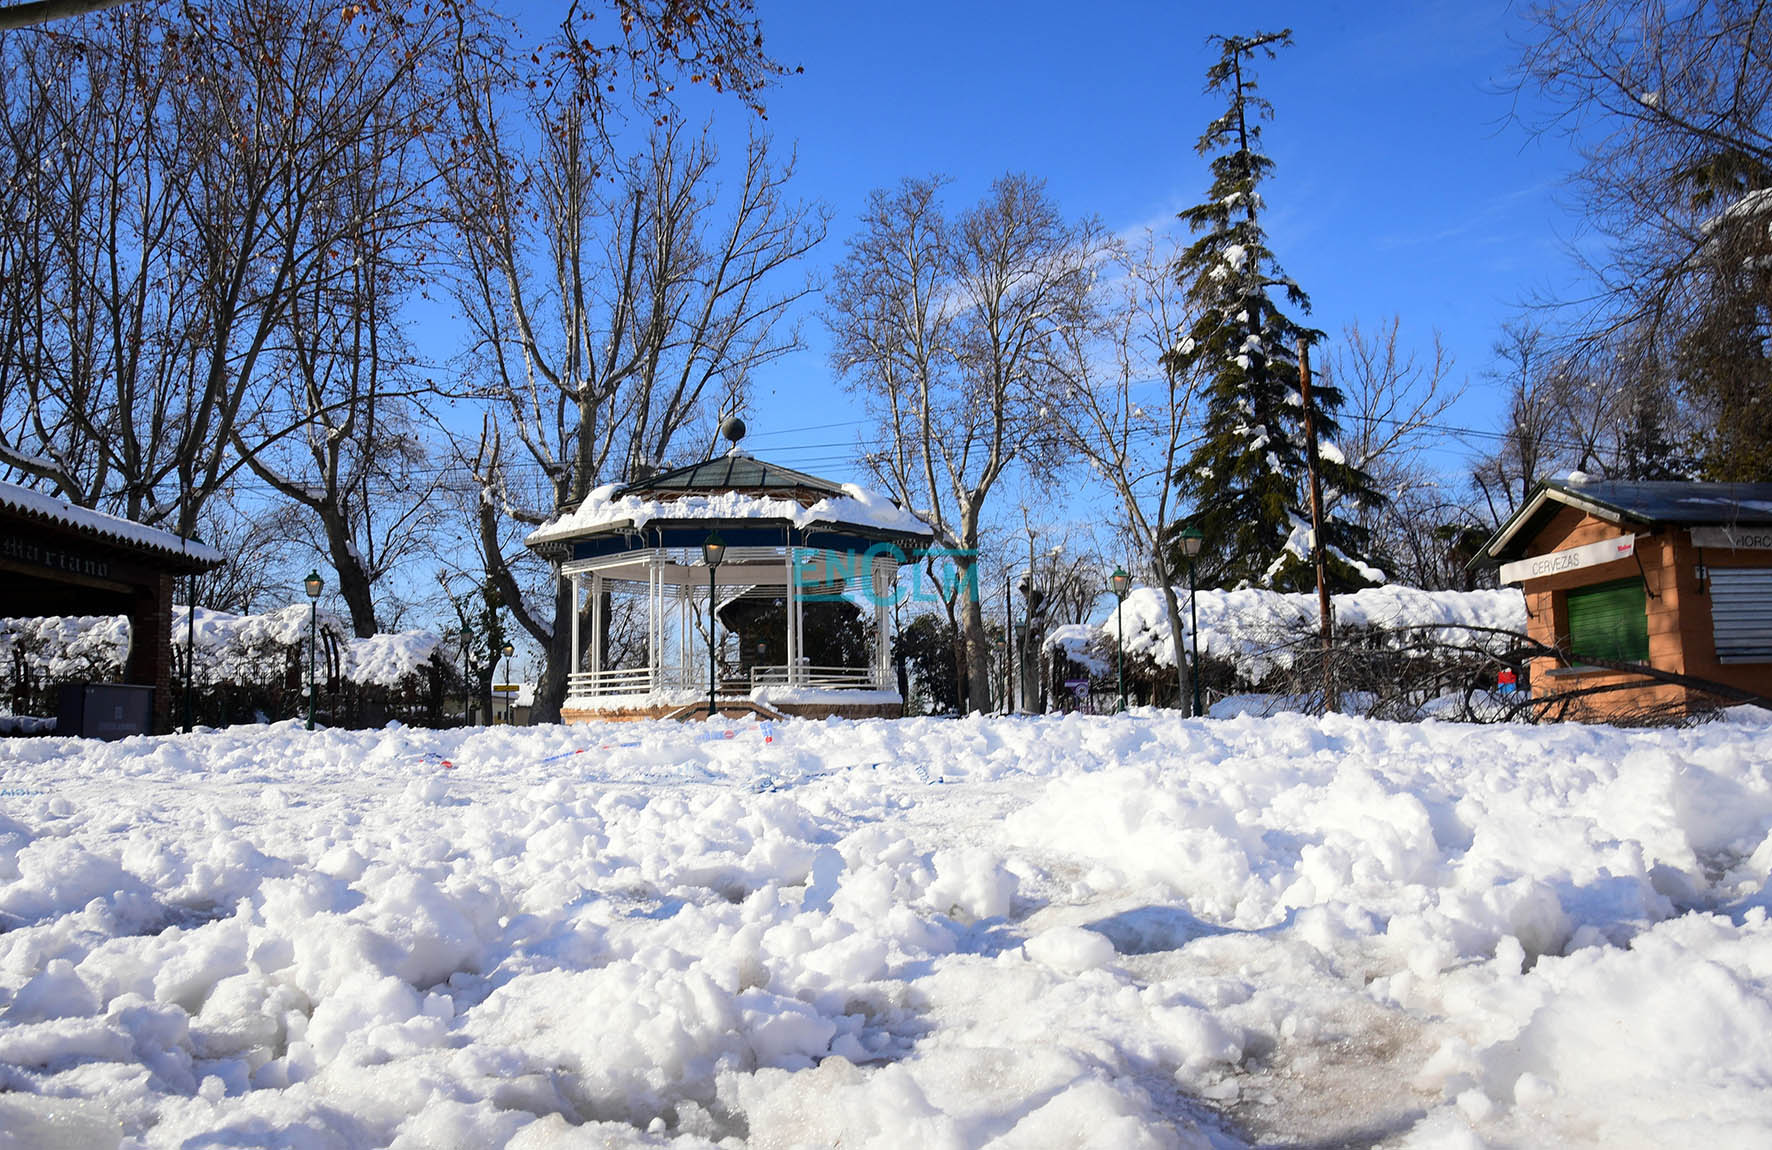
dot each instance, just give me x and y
(1260, 631)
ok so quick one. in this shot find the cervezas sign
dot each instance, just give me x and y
(1571, 559)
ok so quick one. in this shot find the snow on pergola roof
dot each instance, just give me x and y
(113, 527)
(733, 488)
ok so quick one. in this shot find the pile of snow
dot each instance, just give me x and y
(1128, 931)
(857, 507)
(1259, 630)
(232, 648)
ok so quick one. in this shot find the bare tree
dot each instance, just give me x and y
(950, 329)
(1128, 411)
(886, 303)
(169, 187)
(1393, 404)
(716, 44)
(1598, 408)
(92, 353)
(358, 465)
(1670, 107)
(1531, 446)
(260, 569)
(31, 12)
(612, 300)
(1681, 97)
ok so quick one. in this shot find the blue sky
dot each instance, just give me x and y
(1402, 186)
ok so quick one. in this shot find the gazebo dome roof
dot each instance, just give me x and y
(734, 471)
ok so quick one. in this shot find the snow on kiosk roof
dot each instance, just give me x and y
(1650, 503)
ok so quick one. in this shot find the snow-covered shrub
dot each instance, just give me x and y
(1399, 648)
(242, 668)
(37, 655)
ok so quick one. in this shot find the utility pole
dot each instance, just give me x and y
(1029, 599)
(1008, 646)
(1318, 556)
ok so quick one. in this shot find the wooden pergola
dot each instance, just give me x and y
(59, 559)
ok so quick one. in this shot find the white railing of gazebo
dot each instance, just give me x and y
(840, 677)
(643, 680)
(631, 681)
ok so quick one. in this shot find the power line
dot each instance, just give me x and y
(825, 453)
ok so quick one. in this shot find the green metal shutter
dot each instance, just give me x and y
(1609, 621)
(1741, 613)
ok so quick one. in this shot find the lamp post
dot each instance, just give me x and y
(312, 586)
(713, 549)
(1121, 583)
(508, 691)
(1191, 539)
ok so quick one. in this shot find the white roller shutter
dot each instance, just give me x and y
(1741, 613)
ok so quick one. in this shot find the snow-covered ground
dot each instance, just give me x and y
(1117, 932)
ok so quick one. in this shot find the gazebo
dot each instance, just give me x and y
(795, 575)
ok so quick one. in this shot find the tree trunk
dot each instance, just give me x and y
(353, 580)
(1184, 698)
(550, 692)
(978, 650)
(961, 694)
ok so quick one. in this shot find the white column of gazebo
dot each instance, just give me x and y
(677, 578)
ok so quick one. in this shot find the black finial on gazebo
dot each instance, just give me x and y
(732, 427)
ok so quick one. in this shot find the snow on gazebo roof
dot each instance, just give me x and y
(734, 471)
(732, 488)
(114, 527)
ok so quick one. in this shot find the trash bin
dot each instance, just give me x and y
(104, 710)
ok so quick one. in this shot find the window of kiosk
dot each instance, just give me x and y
(1608, 621)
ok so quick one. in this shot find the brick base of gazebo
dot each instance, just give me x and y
(732, 709)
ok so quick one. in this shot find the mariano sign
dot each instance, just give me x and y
(1734, 538)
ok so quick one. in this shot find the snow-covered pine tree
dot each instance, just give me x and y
(1247, 478)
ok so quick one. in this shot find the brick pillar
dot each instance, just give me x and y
(150, 646)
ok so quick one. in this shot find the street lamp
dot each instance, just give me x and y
(508, 691)
(312, 585)
(1191, 540)
(1121, 583)
(713, 549)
